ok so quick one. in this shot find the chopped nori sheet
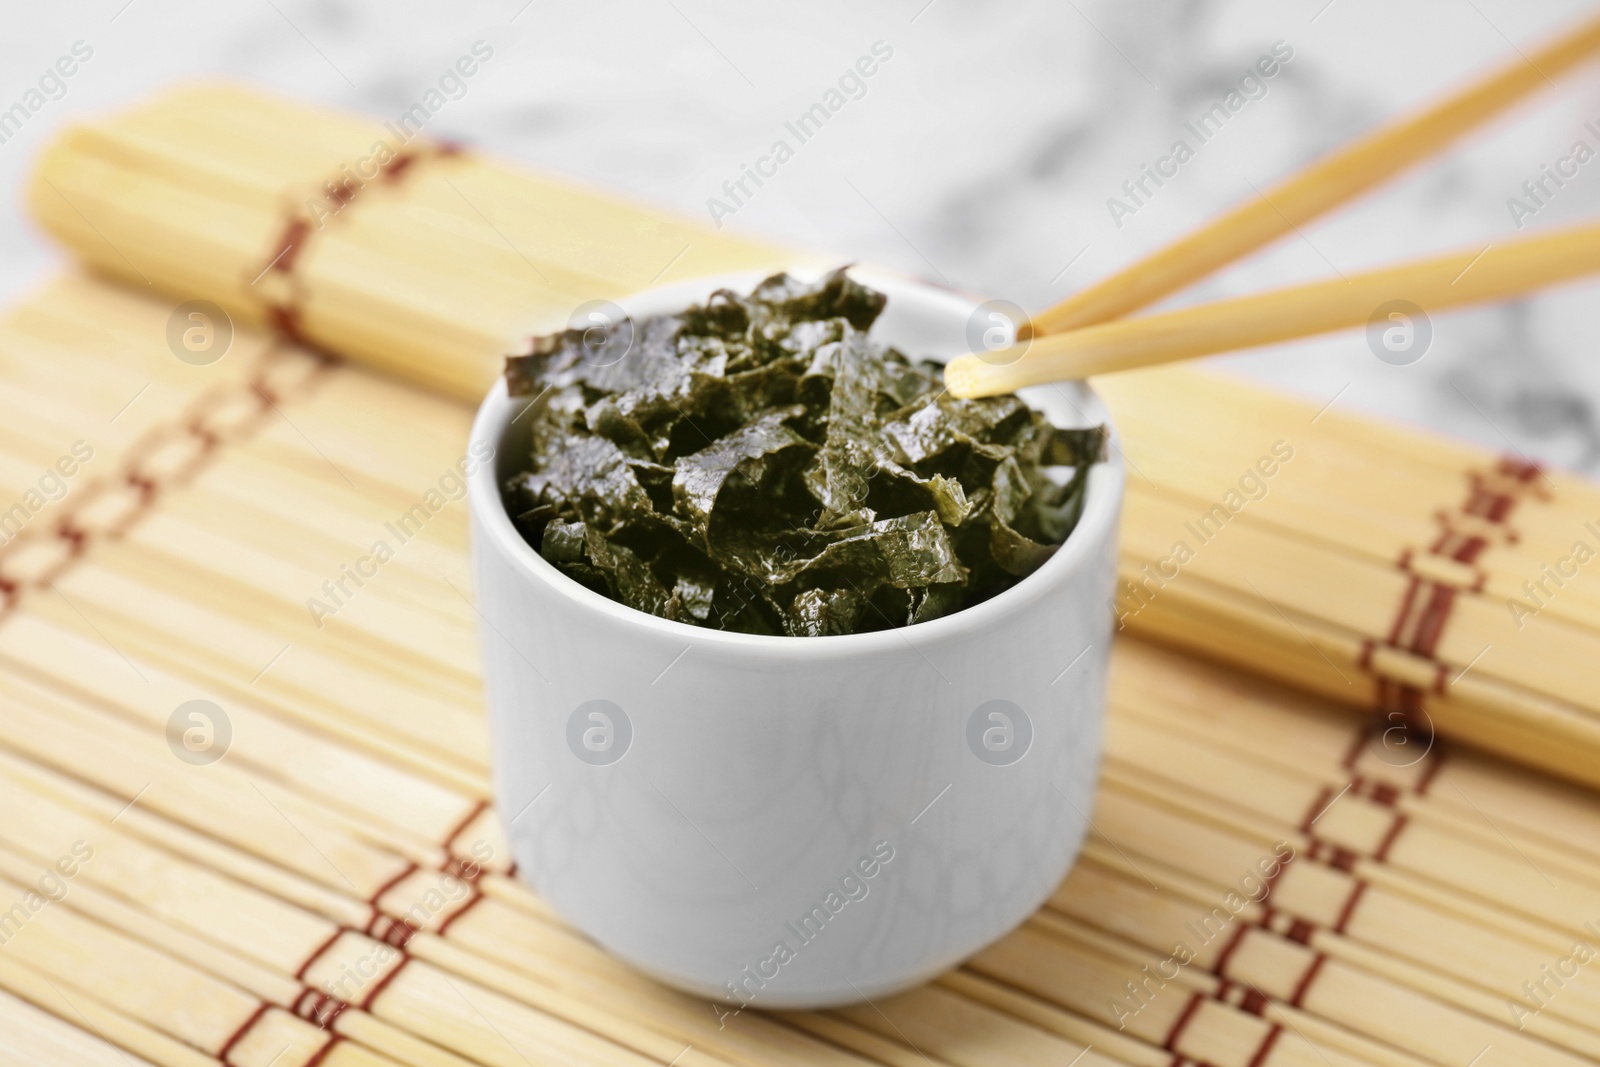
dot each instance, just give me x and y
(756, 463)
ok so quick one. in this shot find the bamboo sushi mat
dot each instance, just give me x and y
(1267, 884)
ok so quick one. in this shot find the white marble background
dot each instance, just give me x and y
(982, 153)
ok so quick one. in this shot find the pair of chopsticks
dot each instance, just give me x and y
(1086, 334)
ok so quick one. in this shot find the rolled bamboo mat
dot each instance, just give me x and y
(1435, 585)
(414, 257)
(1268, 884)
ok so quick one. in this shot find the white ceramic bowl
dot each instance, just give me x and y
(796, 822)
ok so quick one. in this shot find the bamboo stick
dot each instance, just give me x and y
(1501, 576)
(1346, 458)
(359, 724)
(1378, 472)
(1036, 1011)
(128, 1036)
(856, 1039)
(960, 1030)
(36, 1037)
(142, 982)
(283, 828)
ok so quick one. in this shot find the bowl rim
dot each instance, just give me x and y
(1102, 505)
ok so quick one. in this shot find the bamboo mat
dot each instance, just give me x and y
(1438, 586)
(1267, 885)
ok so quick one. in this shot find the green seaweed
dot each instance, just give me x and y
(757, 463)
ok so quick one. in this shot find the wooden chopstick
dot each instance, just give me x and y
(1078, 337)
(1332, 180)
(1465, 277)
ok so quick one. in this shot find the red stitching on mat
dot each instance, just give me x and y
(1430, 625)
(1349, 909)
(285, 317)
(406, 872)
(323, 1053)
(300, 975)
(472, 816)
(383, 983)
(477, 895)
(1338, 857)
(1419, 627)
(1227, 952)
(129, 472)
(396, 933)
(1400, 821)
(1183, 1021)
(1304, 985)
(1317, 807)
(1384, 793)
(464, 870)
(318, 1008)
(238, 1035)
(1352, 755)
(1430, 771)
(1272, 879)
(1265, 1050)
(1404, 611)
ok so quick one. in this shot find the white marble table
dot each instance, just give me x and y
(983, 151)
